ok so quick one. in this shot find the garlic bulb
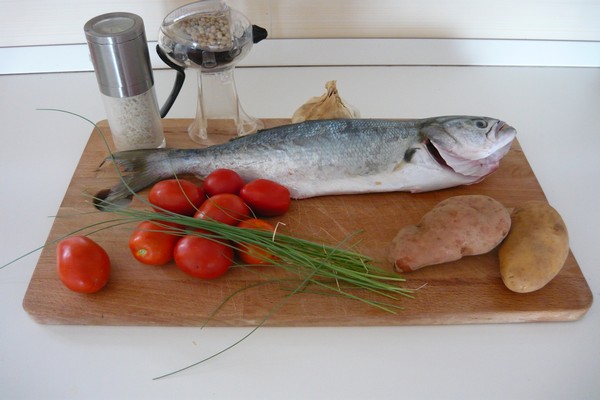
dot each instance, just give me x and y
(328, 106)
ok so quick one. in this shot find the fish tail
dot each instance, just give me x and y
(138, 170)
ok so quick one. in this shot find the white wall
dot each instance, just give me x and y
(44, 22)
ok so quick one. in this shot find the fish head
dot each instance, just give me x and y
(470, 146)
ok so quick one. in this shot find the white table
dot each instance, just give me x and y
(557, 114)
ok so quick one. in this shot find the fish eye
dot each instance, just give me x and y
(481, 124)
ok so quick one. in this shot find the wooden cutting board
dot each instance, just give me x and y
(465, 291)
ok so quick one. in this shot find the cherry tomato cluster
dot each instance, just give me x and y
(223, 197)
(84, 266)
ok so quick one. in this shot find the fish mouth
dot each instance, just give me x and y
(504, 133)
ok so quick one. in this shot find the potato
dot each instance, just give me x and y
(535, 249)
(456, 227)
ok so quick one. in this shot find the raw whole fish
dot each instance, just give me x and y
(342, 156)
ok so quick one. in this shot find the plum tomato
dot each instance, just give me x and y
(153, 243)
(250, 253)
(266, 198)
(223, 180)
(176, 195)
(83, 265)
(201, 257)
(227, 208)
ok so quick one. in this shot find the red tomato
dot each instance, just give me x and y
(202, 258)
(83, 265)
(225, 207)
(223, 180)
(176, 195)
(266, 198)
(252, 254)
(152, 244)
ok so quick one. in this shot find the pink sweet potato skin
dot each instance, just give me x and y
(456, 227)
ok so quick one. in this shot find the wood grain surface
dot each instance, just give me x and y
(463, 292)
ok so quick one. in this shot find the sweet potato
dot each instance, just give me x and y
(535, 249)
(456, 227)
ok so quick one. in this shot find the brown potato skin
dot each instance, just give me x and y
(456, 227)
(535, 249)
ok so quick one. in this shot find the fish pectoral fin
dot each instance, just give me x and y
(399, 166)
(408, 156)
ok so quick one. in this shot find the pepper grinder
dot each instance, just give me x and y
(119, 53)
(212, 38)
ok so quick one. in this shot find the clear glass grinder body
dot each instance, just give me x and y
(212, 38)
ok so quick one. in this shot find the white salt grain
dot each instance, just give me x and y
(135, 121)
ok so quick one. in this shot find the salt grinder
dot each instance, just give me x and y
(119, 52)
